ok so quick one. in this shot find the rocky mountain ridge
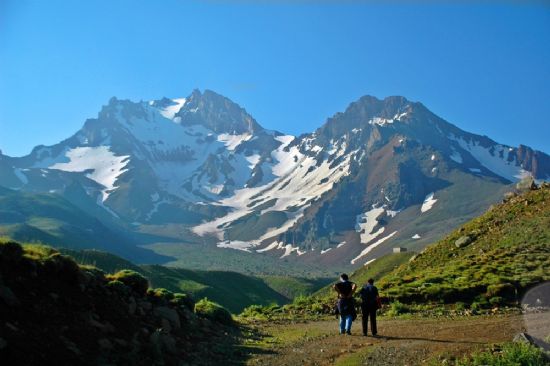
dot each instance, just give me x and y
(382, 173)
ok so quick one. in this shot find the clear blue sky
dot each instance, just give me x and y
(482, 66)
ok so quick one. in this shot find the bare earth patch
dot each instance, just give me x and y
(400, 342)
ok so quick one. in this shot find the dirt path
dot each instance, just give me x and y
(401, 341)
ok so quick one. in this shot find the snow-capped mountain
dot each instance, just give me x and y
(383, 173)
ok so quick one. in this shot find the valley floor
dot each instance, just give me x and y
(400, 342)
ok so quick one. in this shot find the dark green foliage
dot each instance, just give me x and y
(184, 300)
(118, 287)
(135, 281)
(161, 294)
(10, 251)
(213, 311)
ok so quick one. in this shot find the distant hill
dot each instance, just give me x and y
(233, 290)
(52, 219)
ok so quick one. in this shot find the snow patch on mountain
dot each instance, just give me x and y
(21, 176)
(428, 203)
(288, 248)
(494, 158)
(300, 181)
(232, 141)
(369, 261)
(235, 244)
(171, 110)
(366, 222)
(455, 156)
(371, 247)
(105, 166)
(380, 121)
(253, 160)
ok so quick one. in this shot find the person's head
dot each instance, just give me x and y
(344, 277)
(370, 281)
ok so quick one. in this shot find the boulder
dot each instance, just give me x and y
(132, 306)
(105, 344)
(463, 241)
(169, 314)
(7, 295)
(169, 343)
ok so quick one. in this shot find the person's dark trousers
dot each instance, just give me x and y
(369, 312)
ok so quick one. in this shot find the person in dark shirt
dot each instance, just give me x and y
(346, 305)
(369, 305)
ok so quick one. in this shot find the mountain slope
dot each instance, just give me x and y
(494, 258)
(51, 219)
(487, 263)
(201, 170)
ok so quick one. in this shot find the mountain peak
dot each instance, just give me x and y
(218, 113)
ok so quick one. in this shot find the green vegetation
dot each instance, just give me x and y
(510, 354)
(292, 287)
(322, 302)
(488, 262)
(210, 310)
(234, 291)
(133, 280)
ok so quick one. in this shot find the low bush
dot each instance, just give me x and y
(215, 312)
(160, 294)
(132, 279)
(397, 308)
(511, 354)
(118, 287)
(183, 300)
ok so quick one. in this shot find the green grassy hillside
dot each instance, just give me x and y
(375, 270)
(491, 260)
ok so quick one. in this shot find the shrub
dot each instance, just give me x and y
(10, 252)
(215, 312)
(496, 300)
(132, 279)
(511, 354)
(398, 308)
(62, 265)
(255, 311)
(460, 306)
(183, 300)
(503, 290)
(161, 294)
(118, 287)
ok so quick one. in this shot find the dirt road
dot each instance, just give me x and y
(400, 341)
